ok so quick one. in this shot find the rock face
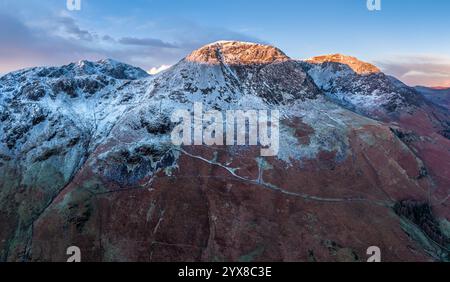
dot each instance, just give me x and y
(237, 53)
(86, 160)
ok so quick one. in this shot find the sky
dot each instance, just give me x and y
(409, 39)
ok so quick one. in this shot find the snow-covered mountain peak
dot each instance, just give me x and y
(237, 53)
(360, 86)
(107, 67)
(85, 98)
(226, 71)
(355, 64)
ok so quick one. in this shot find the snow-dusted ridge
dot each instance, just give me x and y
(356, 65)
(95, 97)
(360, 86)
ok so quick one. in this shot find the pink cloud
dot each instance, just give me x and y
(426, 70)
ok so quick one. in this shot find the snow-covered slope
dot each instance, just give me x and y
(87, 96)
(227, 70)
(360, 86)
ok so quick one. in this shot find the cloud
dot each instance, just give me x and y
(23, 46)
(427, 70)
(59, 38)
(70, 26)
(146, 42)
(159, 69)
(108, 38)
(415, 73)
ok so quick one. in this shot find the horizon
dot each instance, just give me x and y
(153, 35)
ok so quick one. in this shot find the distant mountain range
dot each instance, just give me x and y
(438, 95)
(86, 160)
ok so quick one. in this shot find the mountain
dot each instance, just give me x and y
(439, 96)
(353, 63)
(362, 88)
(227, 71)
(86, 160)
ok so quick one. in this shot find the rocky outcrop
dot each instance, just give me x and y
(359, 67)
(237, 53)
